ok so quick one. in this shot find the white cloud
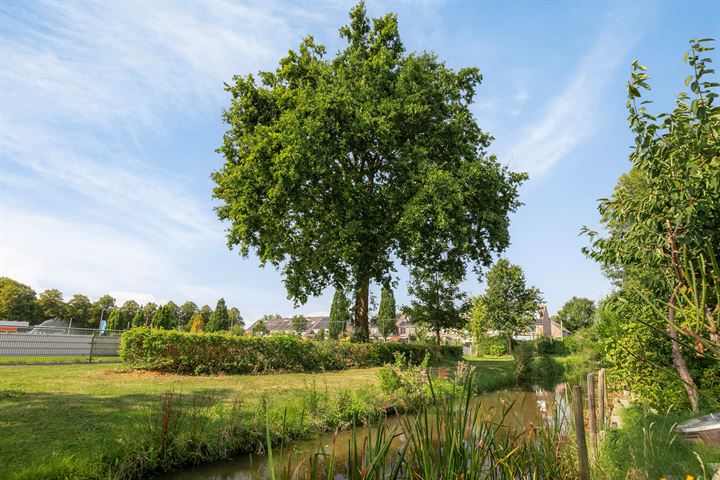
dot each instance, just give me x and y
(569, 118)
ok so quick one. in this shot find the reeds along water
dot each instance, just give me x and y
(451, 437)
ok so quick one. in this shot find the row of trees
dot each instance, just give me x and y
(20, 302)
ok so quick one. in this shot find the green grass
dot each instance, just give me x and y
(646, 447)
(87, 411)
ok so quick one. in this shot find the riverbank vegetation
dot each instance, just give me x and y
(89, 415)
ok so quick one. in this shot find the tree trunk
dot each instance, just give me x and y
(437, 346)
(509, 339)
(679, 360)
(361, 330)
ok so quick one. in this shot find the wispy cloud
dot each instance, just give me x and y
(570, 117)
(87, 90)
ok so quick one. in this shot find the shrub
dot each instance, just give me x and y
(523, 353)
(551, 346)
(494, 346)
(208, 353)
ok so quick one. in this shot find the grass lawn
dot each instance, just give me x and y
(50, 413)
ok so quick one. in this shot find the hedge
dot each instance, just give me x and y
(208, 353)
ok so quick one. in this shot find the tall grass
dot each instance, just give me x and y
(451, 437)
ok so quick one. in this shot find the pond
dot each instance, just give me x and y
(525, 408)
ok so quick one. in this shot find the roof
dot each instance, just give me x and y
(284, 324)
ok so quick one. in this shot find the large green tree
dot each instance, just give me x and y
(576, 313)
(219, 320)
(206, 313)
(186, 313)
(164, 318)
(438, 304)
(337, 166)
(17, 301)
(667, 207)
(78, 310)
(339, 314)
(50, 304)
(116, 320)
(510, 305)
(386, 319)
(129, 309)
(235, 318)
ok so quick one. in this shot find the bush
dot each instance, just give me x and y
(524, 353)
(208, 353)
(551, 346)
(494, 346)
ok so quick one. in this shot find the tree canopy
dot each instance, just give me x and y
(17, 301)
(337, 166)
(576, 313)
(50, 304)
(510, 305)
(438, 304)
(219, 320)
(259, 328)
(164, 318)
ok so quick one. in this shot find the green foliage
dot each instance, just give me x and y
(494, 346)
(206, 313)
(50, 304)
(546, 372)
(578, 312)
(235, 319)
(139, 319)
(647, 447)
(78, 310)
(339, 314)
(510, 306)
(438, 302)
(181, 352)
(101, 309)
(551, 346)
(337, 166)
(386, 319)
(164, 318)
(299, 323)
(116, 320)
(524, 355)
(666, 207)
(129, 309)
(17, 301)
(219, 320)
(186, 312)
(405, 382)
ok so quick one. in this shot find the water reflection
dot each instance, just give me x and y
(514, 408)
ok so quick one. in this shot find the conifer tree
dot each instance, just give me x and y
(219, 320)
(339, 314)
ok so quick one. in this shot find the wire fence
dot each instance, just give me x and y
(34, 344)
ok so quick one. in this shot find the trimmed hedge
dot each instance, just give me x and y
(208, 353)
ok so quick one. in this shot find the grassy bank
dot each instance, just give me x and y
(646, 447)
(80, 418)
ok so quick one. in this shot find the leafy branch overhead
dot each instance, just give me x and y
(335, 167)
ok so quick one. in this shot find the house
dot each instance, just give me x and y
(543, 327)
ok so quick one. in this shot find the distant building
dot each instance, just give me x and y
(12, 325)
(284, 325)
(543, 327)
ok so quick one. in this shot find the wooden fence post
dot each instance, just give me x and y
(602, 398)
(591, 411)
(577, 406)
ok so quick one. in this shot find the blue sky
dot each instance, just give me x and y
(110, 115)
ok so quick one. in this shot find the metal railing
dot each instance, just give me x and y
(57, 344)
